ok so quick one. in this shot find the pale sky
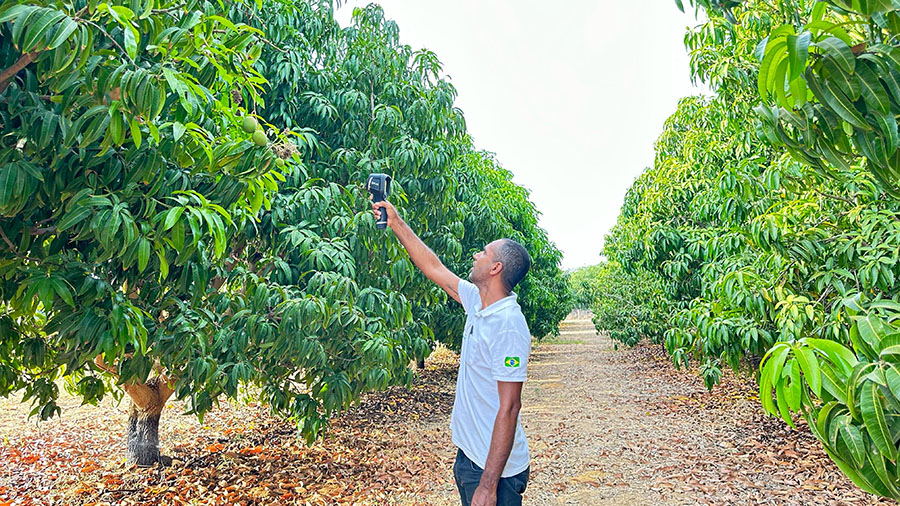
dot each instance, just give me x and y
(570, 95)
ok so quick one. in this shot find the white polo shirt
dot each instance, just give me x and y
(495, 347)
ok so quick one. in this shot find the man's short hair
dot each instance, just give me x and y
(515, 260)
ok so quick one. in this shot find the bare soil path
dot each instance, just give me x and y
(623, 427)
(605, 426)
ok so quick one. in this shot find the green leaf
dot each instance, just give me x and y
(887, 478)
(136, 132)
(794, 391)
(178, 130)
(765, 388)
(779, 355)
(892, 377)
(840, 52)
(853, 385)
(798, 52)
(37, 29)
(871, 329)
(886, 304)
(891, 353)
(130, 41)
(781, 400)
(852, 304)
(73, 217)
(853, 438)
(823, 418)
(851, 472)
(121, 13)
(837, 353)
(172, 217)
(66, 28)
(9, 175)
(873, 91)
(775, 53)
(15, 11)
(143, 253)
(23, 21)
(838, 101)
(834, 383)
(872, 409)
(798, 91)
(887, 123)
(163, 263)
(62, 290)
(810, 366)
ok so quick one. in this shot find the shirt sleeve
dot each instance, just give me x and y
(509, 356)
(468, 296)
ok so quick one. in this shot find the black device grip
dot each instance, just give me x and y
(381, 222)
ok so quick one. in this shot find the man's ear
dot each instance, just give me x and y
(496, 268)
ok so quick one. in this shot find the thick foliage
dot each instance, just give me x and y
(123, 174)
(583, 286)
(627, 304)
(832, 83)
(147, 230)
(783, 244)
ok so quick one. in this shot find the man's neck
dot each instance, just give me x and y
(491, 294)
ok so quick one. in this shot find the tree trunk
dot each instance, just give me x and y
(147, 401)
(143, 437)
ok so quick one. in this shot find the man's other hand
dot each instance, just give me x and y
(484, 496)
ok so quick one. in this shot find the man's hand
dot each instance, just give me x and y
(485, 496)
(378, 208)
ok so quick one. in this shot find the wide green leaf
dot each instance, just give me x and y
(872, 410)
(73, 217)
(853, 438)
(872, 330)
(798, 52)
(839, 51)
(143, 253)
(837, 353)
(809, 364)
(873, 91)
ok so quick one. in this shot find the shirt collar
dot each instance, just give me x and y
(498, 305)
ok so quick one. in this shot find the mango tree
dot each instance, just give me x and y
(181, 209)
(773, 231)
(831, 87)
(124, 173)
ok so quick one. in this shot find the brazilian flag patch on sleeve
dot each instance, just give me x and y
(511, 362)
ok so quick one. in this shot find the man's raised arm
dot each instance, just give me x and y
(419, 253)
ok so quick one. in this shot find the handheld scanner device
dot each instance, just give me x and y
(379, 185)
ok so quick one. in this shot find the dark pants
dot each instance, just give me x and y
(468, 475)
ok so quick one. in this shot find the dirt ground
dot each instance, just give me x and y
(605, 427)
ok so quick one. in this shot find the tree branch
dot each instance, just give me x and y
(7, 241)
(13, 249)
(836, 197)
(110, 37)
(272, 44)
(168, 9)
(42, 231)
(98, 361)
(14, 69)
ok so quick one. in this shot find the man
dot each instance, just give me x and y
(492, 461)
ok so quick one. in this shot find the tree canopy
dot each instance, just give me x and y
(768, 220)
(182, 209)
